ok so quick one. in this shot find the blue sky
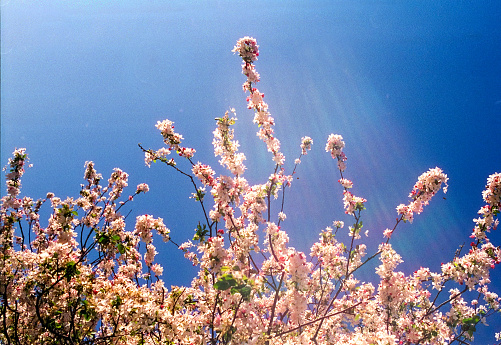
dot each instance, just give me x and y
(410, 86)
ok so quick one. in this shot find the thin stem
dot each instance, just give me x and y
(272, 315)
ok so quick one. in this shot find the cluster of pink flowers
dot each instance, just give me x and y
(428, 184)
(81, 272)
(146, 223)
(85, 278)
(492, 196)
(225, 147)
(142, 187)
(173, 139)
(247, 48)
(204, 173)
(16, 165)
(473, 268)
(117, 182)
(352, 203)
(306, 143)
(335, 145)
(345, 183)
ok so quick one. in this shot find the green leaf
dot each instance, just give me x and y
(116, 302)
(86, 313)
(71, 270)
(222, 285)
(189, 300)
(121, 248)
(200, 233)
(102, 239)
(225, 282)
(244, 290)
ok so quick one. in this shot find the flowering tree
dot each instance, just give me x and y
(85, 278)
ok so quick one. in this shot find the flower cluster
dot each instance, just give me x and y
(428, 184)
(335, 145)
(82, 269)
(204, 173)
(146, 223)
(247, 48)
(345, 183)
(142, 187)
(492, 196)
(173, 139)
(16, 171)
(306, 143)
(226, 147)
(352, 203)
(89, 277)
(473, 268)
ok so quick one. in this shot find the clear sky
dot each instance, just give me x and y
(410, 85)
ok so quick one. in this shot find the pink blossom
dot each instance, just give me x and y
(247, 48)
(338, 224)
(226, 147)
(204, 173)
(306, 143)
(345, 183)
(157, 269)
(387, 233)
(352, 203)
(256, 100)
(282, 216)
(142, 187)
(335, 145)
(428, 184)
(250, 72)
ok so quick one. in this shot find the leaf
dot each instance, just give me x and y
(225, 282)
(116, 302)
(121, 248)
(200, 233)
(189, 300)
(71, 270)
(102, 239)
(222, 285)
(86, 313)
(244, 290)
